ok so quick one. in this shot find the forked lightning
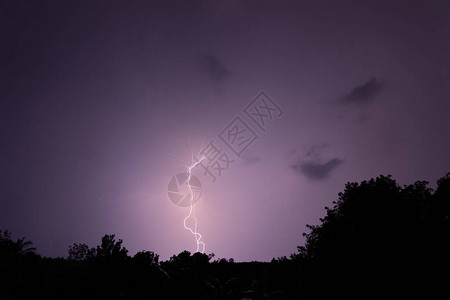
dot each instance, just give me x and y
(197, 235)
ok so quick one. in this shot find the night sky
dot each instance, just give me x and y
(103, 102)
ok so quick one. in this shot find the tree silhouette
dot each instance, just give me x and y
(5, 241)
(110, 249)
(20, 247)
(147, 258)
(441, 199)
(376, 234)
(81, 252)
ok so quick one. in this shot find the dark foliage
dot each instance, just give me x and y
(378, 240)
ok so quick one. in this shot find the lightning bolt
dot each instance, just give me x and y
(197, 235)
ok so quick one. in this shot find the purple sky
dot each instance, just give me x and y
(102, 102)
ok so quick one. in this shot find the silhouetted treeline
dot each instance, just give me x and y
(378, 240)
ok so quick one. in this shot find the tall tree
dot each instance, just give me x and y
(376, 234)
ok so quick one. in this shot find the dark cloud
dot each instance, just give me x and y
(316, 171)
(250, 158)
(364, 93)
(212, 67)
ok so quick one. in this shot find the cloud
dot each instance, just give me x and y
(212, 67)
(249, 158)
(316, 171)
(364, 93)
